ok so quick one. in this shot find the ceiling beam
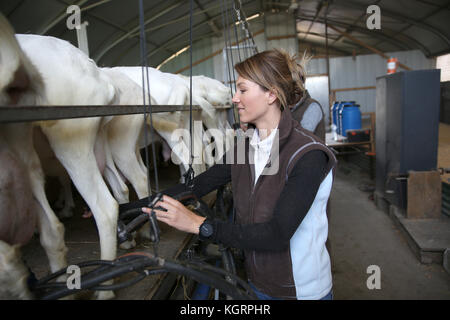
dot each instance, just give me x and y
(432, 13)
(388, 36)
(396, 16)
(319, 8)
(334, 47)
(399, 44)
(350, 27)
(176, 20)
(88, 14)
(15, 8)
(183, 35)
(367, 46)
(118, 39)
(210, 20)
(54, 21)
(447, 7)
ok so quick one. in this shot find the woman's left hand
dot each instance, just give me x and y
(177, 215)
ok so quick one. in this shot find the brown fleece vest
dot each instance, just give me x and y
(299, 110)
(271, 271)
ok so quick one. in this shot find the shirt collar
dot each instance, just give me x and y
(266, 143)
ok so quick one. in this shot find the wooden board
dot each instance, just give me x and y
(424, 195)
(444, 149)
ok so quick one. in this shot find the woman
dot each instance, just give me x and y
(280, 193)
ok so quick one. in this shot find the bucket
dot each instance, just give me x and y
(351, 118)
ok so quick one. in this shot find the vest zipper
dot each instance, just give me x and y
(252, 213)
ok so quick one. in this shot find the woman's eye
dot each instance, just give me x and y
(242, 91)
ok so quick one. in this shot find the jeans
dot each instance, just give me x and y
(263, 296)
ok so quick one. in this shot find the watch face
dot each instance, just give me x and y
(206, 229)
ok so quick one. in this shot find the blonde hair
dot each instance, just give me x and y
(278, 71)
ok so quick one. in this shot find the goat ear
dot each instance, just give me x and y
(19, 85)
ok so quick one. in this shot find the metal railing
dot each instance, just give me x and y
(39, 113)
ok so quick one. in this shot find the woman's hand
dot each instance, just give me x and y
(177, 215)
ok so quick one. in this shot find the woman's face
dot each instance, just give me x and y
(251, 100)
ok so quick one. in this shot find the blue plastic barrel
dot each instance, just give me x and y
(351, 118)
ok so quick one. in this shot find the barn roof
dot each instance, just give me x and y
(113, 28)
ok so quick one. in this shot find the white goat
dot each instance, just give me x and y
(23, 198)
(71, 78)
(169, 89)
(209, 93)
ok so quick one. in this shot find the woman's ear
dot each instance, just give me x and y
(271, 96)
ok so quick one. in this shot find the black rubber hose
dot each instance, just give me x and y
(64, 271)
(201, 273)
(238, 280)
(209, 279)
(130, 214)
(92, 280)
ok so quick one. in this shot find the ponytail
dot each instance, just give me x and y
(278, 71)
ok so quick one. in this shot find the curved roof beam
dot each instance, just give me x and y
(166, 43)
(334, 47)
(389, 37)
(61, 16)
(357, 20)
(435, 11)
(396, 16)
(117, 40)
(211, 22)
(399, 44)
(175, 38)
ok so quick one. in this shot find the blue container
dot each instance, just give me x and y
(351, 118)
(341, 107)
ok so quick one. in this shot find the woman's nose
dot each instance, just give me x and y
(235, 99)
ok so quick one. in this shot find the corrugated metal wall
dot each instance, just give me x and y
(362, 71)
(201, 49)
(280, 32)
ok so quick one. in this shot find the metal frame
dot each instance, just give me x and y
(39, 113)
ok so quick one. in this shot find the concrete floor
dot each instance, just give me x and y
(361, 235)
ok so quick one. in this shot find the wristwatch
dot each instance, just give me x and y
(206, 230)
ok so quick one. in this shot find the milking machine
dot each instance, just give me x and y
(139, 265)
